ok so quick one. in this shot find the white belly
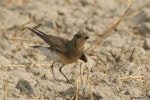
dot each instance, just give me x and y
(49, 53)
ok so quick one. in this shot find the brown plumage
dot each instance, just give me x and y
(62, 50)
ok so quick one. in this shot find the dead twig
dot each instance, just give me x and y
(87, 78)
(131, 57)
(81, 73)
(76, 97)
(107, 32)
(73, 97)
(91, 92)
(6, 90)
(113, 27)
(139, 8)
(127, 13)
(130, 77)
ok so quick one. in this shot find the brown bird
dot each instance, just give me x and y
(61, 50)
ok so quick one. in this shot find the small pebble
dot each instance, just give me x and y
(25, 87)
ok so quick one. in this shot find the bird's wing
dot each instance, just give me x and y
(55, 43)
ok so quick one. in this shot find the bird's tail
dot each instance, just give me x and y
(41, 48)
(35, 47)
(45, 50)
(37, 32)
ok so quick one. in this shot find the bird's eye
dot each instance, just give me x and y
(77, 36)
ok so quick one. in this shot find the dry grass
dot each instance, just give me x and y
(81, 73)
(136, 76)
(97, 42)
(77, 89)
(6, 90)
(113, 27)
(76, 96)
(127, 13)
(91, 91)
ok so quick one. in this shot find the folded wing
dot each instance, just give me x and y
(55, 43)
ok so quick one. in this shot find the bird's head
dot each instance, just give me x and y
(80, 39)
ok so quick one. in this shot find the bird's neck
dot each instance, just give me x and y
(74, 50)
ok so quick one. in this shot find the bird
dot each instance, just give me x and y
(62, 50)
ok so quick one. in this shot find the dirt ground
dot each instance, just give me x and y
(118, 68)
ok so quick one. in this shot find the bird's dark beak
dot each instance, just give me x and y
(87, 37)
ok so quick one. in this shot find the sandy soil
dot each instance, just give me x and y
(117, 69)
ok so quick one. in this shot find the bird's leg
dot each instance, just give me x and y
(60, 69)
(52, 69)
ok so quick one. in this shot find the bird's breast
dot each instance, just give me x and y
(70, 57)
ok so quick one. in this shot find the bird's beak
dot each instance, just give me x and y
(86, 37)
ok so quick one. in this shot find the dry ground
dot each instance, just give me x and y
(118, 68)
